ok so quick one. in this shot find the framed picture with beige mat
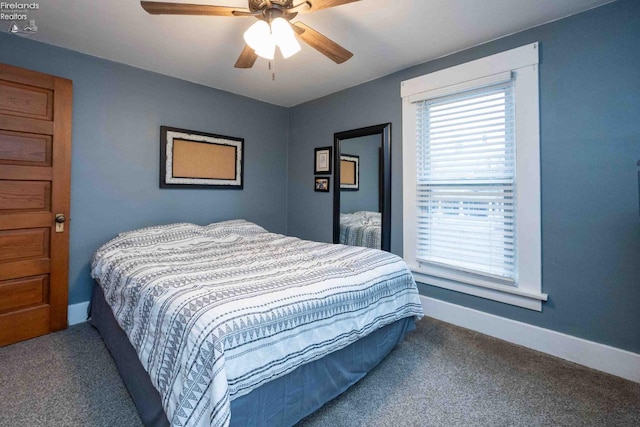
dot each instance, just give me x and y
(191, 159)
(349, 172)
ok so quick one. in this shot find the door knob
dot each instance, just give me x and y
(60, 219)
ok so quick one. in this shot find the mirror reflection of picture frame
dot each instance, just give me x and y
(349, 172)
(322, 184)
(322, 163)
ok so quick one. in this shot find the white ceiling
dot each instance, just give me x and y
(385, 36)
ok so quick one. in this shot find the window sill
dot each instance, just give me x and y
(505, 294)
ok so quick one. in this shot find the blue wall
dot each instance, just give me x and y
(590, 143)
(117, 114)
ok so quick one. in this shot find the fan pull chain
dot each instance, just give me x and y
(272, 68)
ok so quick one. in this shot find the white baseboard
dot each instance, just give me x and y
(604, 358)
(77, 313)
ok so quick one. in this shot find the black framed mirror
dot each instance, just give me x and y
(362, 187)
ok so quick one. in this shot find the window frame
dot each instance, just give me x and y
(522, 62)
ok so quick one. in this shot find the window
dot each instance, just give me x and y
(472, 178)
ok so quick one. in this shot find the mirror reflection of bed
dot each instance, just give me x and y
(360, 228)
(362, 200)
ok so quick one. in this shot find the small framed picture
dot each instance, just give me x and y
(322, 161)
(322, 184)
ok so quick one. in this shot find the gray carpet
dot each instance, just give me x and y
(440, 375)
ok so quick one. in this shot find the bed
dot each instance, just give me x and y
(361, 228)
(229, 324)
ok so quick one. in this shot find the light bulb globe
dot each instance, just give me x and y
(284, 37)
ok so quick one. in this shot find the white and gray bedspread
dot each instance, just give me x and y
(215, 311)
(362, 228)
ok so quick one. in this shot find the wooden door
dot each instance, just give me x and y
(35, 163)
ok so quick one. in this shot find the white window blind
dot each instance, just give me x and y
(465, 153)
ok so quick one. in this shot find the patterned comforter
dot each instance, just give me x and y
(361, 228)
(215, 311)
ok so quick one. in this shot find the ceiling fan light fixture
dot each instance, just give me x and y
(263, 38)
(267, 50)
(284, 37)
(258, 35)
(290, 49)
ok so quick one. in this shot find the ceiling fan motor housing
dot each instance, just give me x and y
(268, 11)
(258, 5)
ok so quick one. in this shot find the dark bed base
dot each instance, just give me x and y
(281, 402)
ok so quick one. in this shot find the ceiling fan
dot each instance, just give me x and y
(276, 14)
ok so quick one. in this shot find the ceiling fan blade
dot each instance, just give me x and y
(247, 58)
(161, 8)
(325, 4)
(322, 44)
